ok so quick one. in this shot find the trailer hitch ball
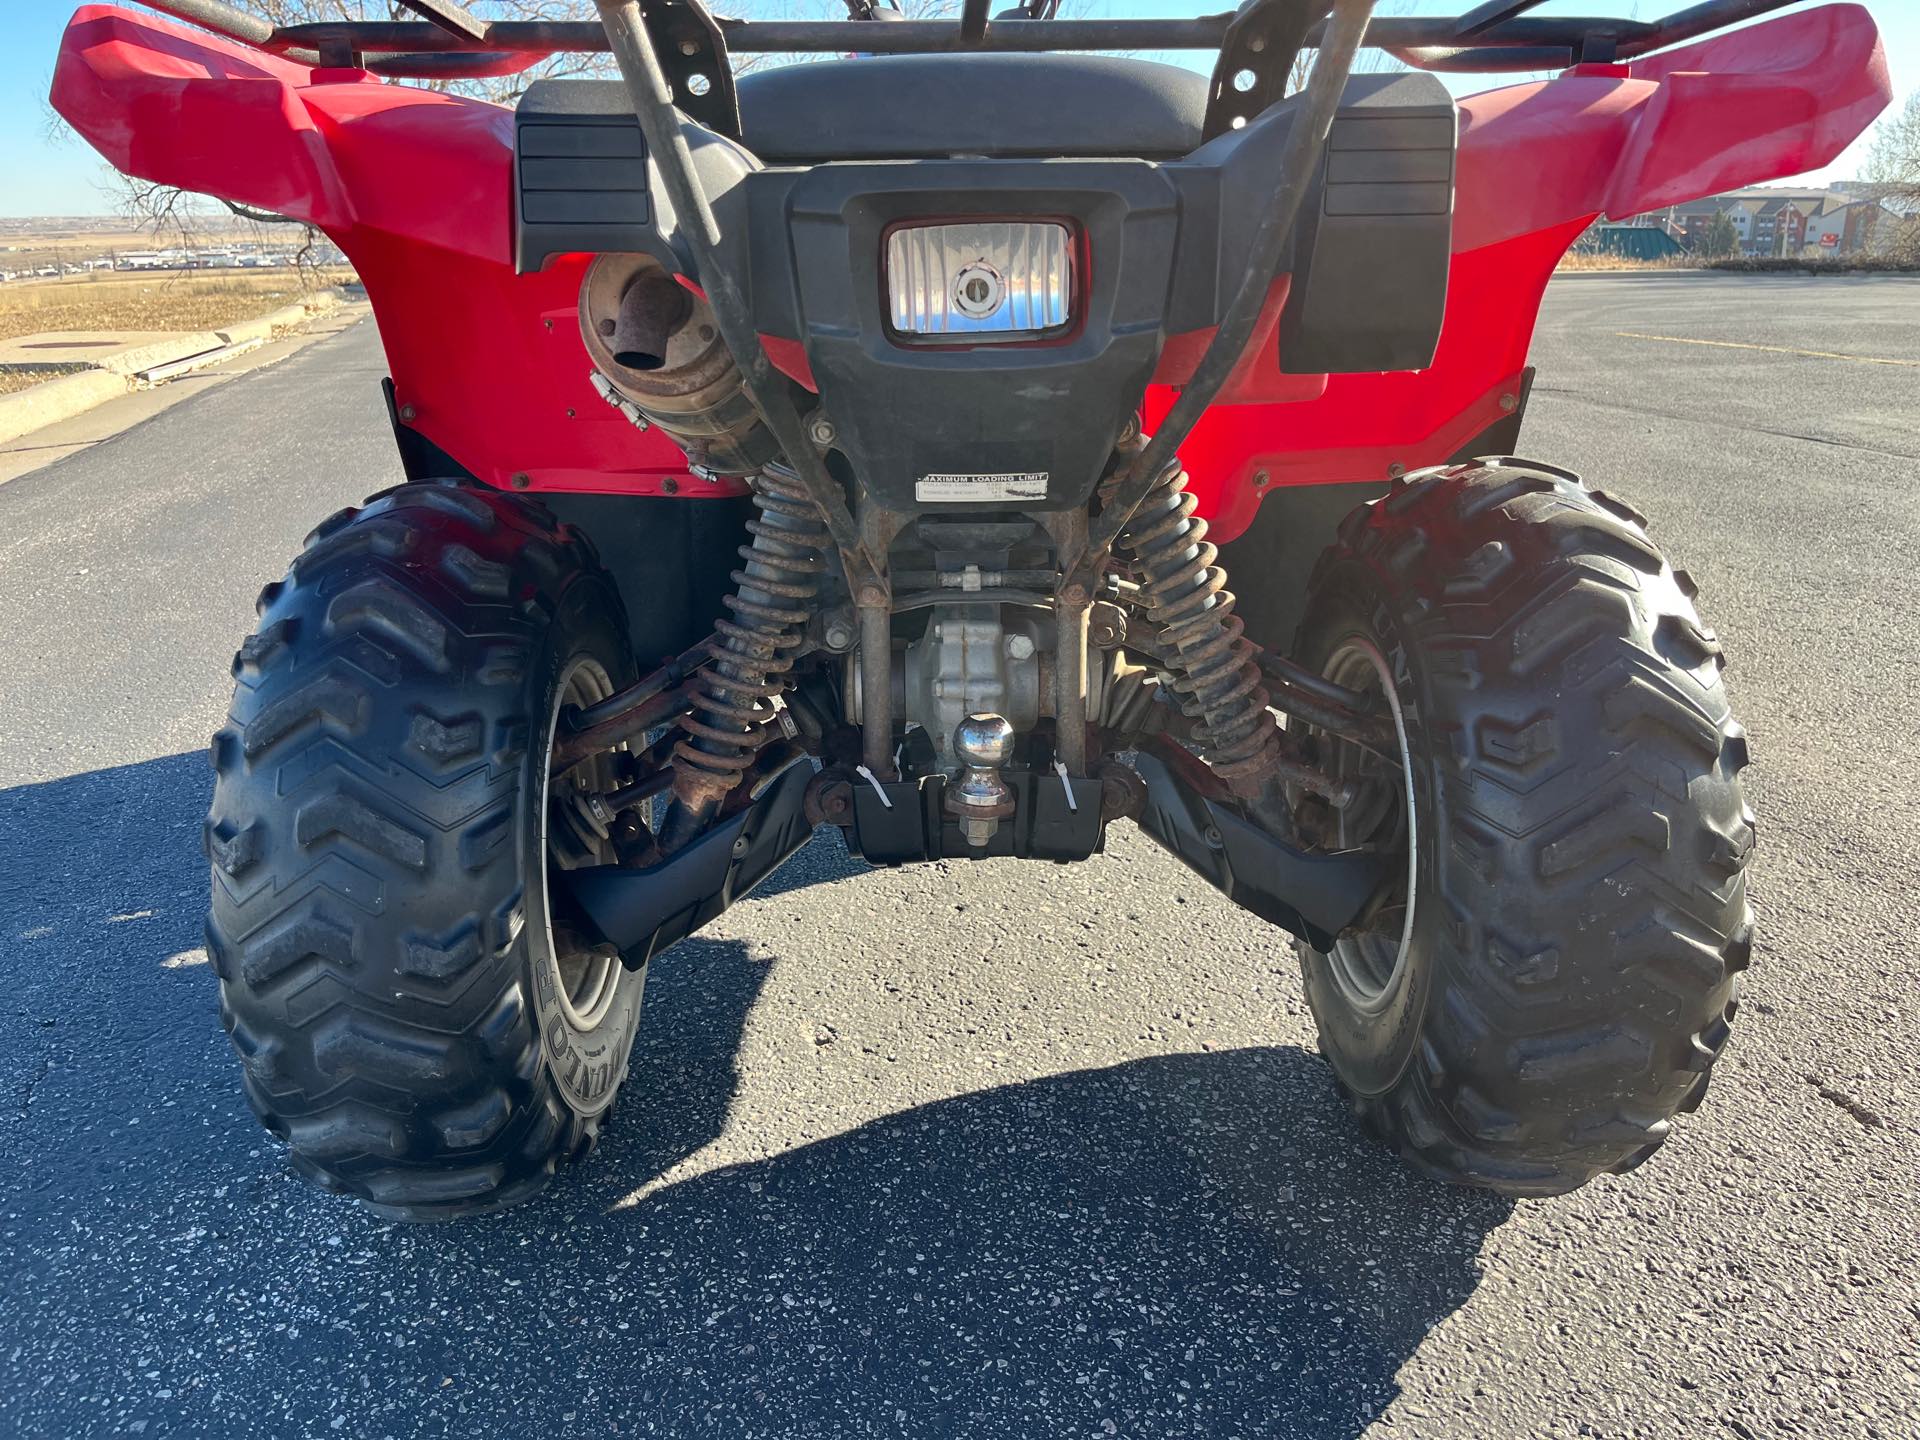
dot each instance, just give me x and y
(981, 798)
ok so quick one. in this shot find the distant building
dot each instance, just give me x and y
(1774, 221)
(1629, 242)
(1845, 229)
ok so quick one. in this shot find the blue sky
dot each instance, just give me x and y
(49, 174)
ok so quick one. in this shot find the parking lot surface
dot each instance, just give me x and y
(988, 1151)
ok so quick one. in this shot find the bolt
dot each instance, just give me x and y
(1020, 647)
(872, 595)
(822, 432)
(669, 485)
(1122, 791)
(1396, 470)
(547, 323)
(739, 846)
(570, 412)
(1261, 479)
(1213, 838)
(606, 327)
(407, 413)
(520, 482)
(1509, 403)
(839, 635)
(1072, 597)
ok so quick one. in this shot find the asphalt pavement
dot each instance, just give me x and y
(988, 1151)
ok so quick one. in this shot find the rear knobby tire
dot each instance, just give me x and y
(379, 921)
(1581, 914)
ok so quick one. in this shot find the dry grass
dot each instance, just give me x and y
(1813, 265)
(1761, 265)
(12, 380)
(121, 301)
(1622, 262)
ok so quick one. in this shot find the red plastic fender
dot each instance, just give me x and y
(1538, 163)
(415, 187)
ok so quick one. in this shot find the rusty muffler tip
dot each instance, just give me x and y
(653, 308)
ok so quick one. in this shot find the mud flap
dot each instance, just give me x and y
(1313, 896)
(642, 912)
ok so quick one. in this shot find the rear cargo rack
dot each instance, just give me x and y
(1498, 36)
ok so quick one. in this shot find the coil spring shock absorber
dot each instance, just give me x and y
(1186, 594)
(771, 604)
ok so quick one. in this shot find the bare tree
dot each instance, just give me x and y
(1367, 62)
(163, 210)
(1893, 173)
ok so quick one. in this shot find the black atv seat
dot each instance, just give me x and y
(921, 107)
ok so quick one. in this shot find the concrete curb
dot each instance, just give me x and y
(129, 363)
(52, 401)
(321, 302)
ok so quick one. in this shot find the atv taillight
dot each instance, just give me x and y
(992, 280)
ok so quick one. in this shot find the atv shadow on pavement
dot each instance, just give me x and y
(1190, 1244)
(1186, 1245)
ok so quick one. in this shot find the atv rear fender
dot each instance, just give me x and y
(414, 186)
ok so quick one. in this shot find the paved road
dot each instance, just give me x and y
(994, 1151)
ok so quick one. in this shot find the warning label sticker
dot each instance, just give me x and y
(955, 489)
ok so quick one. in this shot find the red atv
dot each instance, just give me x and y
(916, 336)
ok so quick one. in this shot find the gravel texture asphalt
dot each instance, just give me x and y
(992, 1151)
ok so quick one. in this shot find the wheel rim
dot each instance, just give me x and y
(1367, 966)
(588, 976)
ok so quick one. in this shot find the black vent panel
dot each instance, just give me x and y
(580, 173)
(1371, 255)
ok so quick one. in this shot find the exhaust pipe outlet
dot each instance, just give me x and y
(658, 349)
(651, 310)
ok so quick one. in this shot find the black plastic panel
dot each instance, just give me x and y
(1309, 894)
(912, 824)
(1271, 560)
(580, 173)
(1372, 250)
(669, 556)
(1164, 250)
(907, 107)
(908, 411)
(642, 912)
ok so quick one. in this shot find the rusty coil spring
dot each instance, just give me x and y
(1186, 594)
(771, 604)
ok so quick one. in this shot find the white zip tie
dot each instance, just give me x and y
(874, 780)
(1060, 769)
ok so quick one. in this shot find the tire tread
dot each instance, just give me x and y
(371, 972)
(1595, 911)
